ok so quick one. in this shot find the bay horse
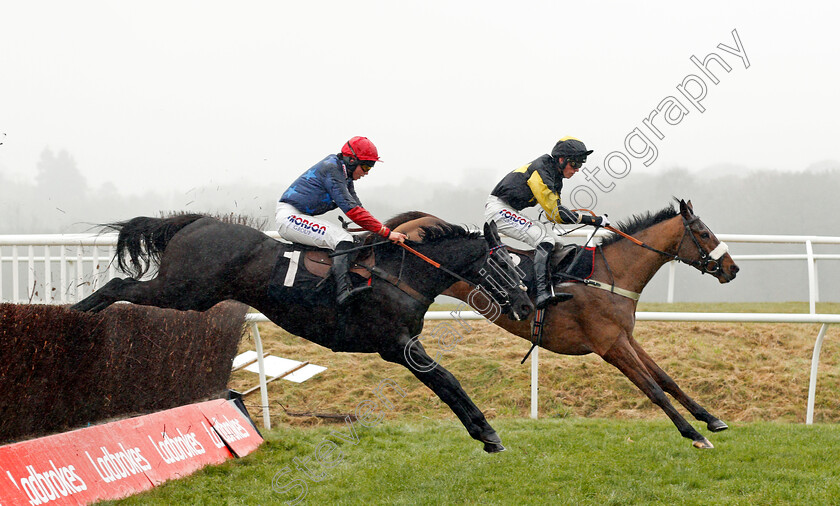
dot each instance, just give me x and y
(203, 261)
(599, 321)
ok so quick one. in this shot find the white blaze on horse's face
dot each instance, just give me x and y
(711, 262)
(719, 251)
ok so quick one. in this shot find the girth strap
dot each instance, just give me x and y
(610, 288)
(536, 331)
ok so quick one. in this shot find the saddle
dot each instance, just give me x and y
(566, 260)
(318, 263)
(574, 260)
(301, 272)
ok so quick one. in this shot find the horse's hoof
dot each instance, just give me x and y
(490, 437)
(703, 444)
(717, 426)
(494, 447)
(492, 443)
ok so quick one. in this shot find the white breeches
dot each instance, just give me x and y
(512, 224)
(296, 226)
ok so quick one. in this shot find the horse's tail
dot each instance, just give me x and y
(144, 239)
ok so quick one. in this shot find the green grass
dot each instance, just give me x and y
(549, 461)
(600, 441)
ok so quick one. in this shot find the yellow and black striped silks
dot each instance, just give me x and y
(538, 182)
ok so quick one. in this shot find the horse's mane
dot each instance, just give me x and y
(639, 222)
(447, 231)
(434, 232)
(428, 234)
(405, 217)
(231, 218)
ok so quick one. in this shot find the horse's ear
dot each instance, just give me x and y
(686, 209)
(491, 233)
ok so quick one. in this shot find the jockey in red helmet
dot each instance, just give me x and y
(540, 182)
(326, 185)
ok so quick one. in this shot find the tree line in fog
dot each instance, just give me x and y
(729, 199)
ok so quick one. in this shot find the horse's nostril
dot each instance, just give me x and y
(734, 269)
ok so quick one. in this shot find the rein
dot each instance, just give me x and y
(708, 263)
(397, 280)
(412, 251)
(357, 248)
(436, 264)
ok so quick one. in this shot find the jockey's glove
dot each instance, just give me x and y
(595, 221)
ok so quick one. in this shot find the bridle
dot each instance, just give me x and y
(708, 263)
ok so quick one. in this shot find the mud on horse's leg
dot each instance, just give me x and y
(667, 384)
(623, 356)
(410, 353)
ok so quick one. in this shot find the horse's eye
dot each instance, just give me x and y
(704, 235)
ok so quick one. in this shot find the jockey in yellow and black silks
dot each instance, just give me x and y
(540, 182)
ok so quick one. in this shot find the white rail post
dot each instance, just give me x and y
(30, 274)
(80, 275)
(672, 273)
(15, 275)
(812, 385)
(816, 281)
(112, 268)
(63, 275)
(263, 386)
(47, 275)
(812, 293)
(535, 382)
(94, 268)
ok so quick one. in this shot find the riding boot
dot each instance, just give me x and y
(344, 291)
(545, 295)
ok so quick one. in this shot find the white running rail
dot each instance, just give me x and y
(65, 268)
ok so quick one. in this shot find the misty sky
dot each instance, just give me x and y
(177, 95)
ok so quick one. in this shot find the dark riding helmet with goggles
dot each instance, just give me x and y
(572, 150)
(360, 151)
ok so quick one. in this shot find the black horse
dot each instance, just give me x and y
(203, 261)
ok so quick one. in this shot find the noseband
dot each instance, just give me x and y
(708, 263)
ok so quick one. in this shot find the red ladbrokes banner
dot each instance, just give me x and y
(122, 458)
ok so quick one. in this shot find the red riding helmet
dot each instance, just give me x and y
(360, 148)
